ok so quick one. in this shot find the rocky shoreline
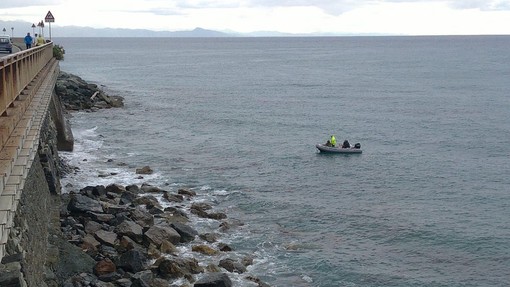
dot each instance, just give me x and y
(139, 235)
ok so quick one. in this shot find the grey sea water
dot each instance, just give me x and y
(426, 204)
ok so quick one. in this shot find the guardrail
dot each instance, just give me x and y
(27, 81)
(18, 70)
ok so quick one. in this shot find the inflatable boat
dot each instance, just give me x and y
(337, 149)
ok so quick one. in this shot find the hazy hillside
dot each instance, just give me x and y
(22, 28)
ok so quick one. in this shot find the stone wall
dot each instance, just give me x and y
(31, 258)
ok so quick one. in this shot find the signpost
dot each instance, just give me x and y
(49, 19)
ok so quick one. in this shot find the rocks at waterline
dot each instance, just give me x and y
(77, 94)
(134, 243)
(113, 265)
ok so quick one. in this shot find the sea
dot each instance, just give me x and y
(427, 203)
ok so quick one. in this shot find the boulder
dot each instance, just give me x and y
(232, 266)
(147, 200)
(127, 198)
(156, 235)
(142, 217)
(11, 275)
(142, 279)
(214, 280)
(106, 237)
(256, 280)
(115, 188)
(91, 226)
(101, 217)
(201, 206)
(224, 247)
(144, 170)
(126, 243)
(133, 188)
(167, 247)
(94, 191)
(204, 249)
(178, 267)
(150, 188)
(173, 197)
(153, 252)
(185, 191)
(77, 94)
(131, 261)
(130, 229)
(83, 204)
(104, 266)
(89, 240)
(185, 231)
(72, 259)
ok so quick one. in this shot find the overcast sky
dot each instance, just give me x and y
(408, 17)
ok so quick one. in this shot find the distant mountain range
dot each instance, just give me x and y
(22, 28)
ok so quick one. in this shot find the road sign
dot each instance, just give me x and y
(49, 18)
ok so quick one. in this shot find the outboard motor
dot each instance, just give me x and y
(357, 146)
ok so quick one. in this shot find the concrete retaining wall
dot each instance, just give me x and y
(30, 259)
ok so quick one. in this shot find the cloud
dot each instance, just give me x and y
(164, 11)
(483, 5)
(331, 7)
(27, 3)
(204, 4)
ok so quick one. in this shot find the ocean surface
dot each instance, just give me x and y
(237, 120)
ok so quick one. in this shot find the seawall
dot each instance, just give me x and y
(30, 257)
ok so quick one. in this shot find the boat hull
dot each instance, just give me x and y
(330, 149)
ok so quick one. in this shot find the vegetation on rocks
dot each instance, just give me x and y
(58, 52)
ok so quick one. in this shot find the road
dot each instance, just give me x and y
(17, 44)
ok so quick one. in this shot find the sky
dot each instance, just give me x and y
(394, 17)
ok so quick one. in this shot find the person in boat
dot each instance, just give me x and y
(346, 144)
(332, 140)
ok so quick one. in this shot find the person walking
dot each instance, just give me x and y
(40, 40)
(28, 41)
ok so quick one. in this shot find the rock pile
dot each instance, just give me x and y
(124, 237)
(134, 241)
(77, 94)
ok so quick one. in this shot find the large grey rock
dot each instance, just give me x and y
(72, 259)
(179, 267)
(215, 279)
(83, 204)
(232, 266)
(77, 94)
(132, 261)
(142, 217)
(10, 275)
(187, 233)
(106, 237)
(156, 235)
(130, 229)
(147, 200)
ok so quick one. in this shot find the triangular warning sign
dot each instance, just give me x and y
(49, 17)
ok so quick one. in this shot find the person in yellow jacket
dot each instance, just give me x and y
(333, 140)
(39, 41)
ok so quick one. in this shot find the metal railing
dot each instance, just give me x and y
(18, 70)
